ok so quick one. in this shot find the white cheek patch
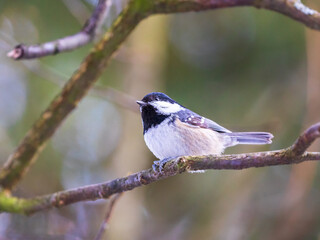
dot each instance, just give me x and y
(166, 108)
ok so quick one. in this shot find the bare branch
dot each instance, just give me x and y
(172, 168)
(68, 43)
(105, 222)
(306, 139)
(292, 8)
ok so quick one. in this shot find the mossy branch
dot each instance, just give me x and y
(292, 155)
(74, 90)
(94, 64)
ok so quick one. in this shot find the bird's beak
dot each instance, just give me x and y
(141, 103)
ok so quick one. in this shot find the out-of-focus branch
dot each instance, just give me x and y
(78, 9)
(119, 98)
(74, 90)
(291, 8)
(104, 92)
(105, 222)
(68, 43)
(173, 167)
(92, 67)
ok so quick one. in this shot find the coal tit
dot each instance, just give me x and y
(171, 130)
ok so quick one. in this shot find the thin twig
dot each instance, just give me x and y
(68, 43)
(37, 67)
(78, 9)
(119, 98)
(105, 222)
(172, 168)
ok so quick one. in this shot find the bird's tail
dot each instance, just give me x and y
(257, 138)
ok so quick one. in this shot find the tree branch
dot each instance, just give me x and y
(291, 8)
(68, 43)
(175, 166)
(74, 90)
(306, 139)
(92, 67)
(108, 93)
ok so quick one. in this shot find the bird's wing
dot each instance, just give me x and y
(195, 120)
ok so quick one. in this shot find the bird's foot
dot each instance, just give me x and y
(158, 166)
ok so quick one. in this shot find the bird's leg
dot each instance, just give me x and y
(158, 166)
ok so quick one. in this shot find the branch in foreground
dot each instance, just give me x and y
(92, 67)
(68, 43)
(173, 167)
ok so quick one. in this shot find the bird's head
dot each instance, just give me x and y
(160, 103)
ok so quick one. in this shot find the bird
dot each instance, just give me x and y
(171, 130)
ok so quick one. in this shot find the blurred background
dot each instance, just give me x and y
(246, 69)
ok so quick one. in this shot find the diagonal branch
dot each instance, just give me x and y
(68, 43)
(94, 64)
(172, 168)
(74, 90)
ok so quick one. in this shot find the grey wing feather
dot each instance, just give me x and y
(231, 138)
(196, 120)
(215, 126)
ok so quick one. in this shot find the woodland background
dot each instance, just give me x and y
(247, 69)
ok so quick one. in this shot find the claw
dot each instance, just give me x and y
(155, 166)
(158, 166)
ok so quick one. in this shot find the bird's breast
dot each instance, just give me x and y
(173, 138)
